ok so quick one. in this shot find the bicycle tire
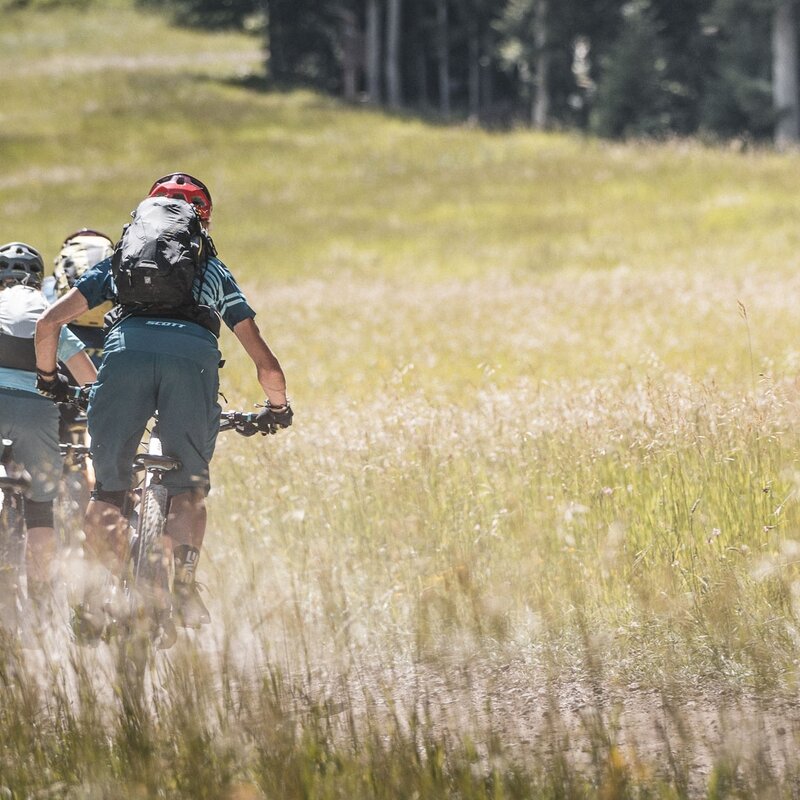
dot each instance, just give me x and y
(147, 556)
(150, 570)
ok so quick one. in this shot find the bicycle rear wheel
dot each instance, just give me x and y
(150, 570)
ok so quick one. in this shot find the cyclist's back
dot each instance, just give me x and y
(164, 363)
(26, 418)
(161, 354)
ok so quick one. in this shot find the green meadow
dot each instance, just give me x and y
(535, 532)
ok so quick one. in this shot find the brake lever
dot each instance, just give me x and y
(246, 428)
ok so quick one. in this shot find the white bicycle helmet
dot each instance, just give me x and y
(80, 252)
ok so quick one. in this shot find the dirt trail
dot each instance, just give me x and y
(535, 720)
(681, 739)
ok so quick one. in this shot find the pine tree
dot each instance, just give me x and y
(738, 96)
(631, 96)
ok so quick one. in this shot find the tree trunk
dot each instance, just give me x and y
(276, 57)
(784, 73)
(351, 55)
(393, 84)
(486, 85)
(443, 57)
(541, 96)
(421, 64)
(373, 52)
(474, 78)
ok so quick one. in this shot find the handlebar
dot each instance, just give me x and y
(76, 450)
(78, 396)
(240, 421)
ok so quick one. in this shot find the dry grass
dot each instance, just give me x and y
(535, 532)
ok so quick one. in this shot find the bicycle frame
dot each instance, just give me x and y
(77, 480)
(148, 571)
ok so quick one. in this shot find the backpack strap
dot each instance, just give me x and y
(210, 252)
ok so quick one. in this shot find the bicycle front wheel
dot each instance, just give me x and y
(150, 563)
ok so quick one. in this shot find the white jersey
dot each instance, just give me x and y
(20, 308)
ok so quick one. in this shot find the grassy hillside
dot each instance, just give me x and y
(535, 531)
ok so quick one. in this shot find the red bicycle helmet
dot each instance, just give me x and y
(184, 187)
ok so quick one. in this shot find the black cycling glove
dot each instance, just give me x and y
(271, 418)
(53, 385)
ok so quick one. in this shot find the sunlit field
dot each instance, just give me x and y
(535, 531)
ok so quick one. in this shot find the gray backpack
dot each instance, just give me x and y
(160, 253)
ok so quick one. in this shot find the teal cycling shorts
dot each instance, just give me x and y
(31, 422)
(131, 386)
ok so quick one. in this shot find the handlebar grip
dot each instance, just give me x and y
(79, 396)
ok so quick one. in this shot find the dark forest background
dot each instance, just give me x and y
(715, 68)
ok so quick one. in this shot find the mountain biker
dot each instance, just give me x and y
(167, 363)
(80, 252)
(26, 418)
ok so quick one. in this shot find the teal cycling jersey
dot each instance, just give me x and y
(214, 286)
(168, 336)
(159, 363)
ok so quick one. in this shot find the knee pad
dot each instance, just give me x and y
(39, 515)
(114, 498)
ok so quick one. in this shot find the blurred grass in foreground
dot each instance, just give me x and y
(536, 531)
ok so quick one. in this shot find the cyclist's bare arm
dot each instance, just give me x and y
(269, 372)
(81, 367)
(48, 328)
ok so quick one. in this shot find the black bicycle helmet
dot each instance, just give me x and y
(21, 263)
